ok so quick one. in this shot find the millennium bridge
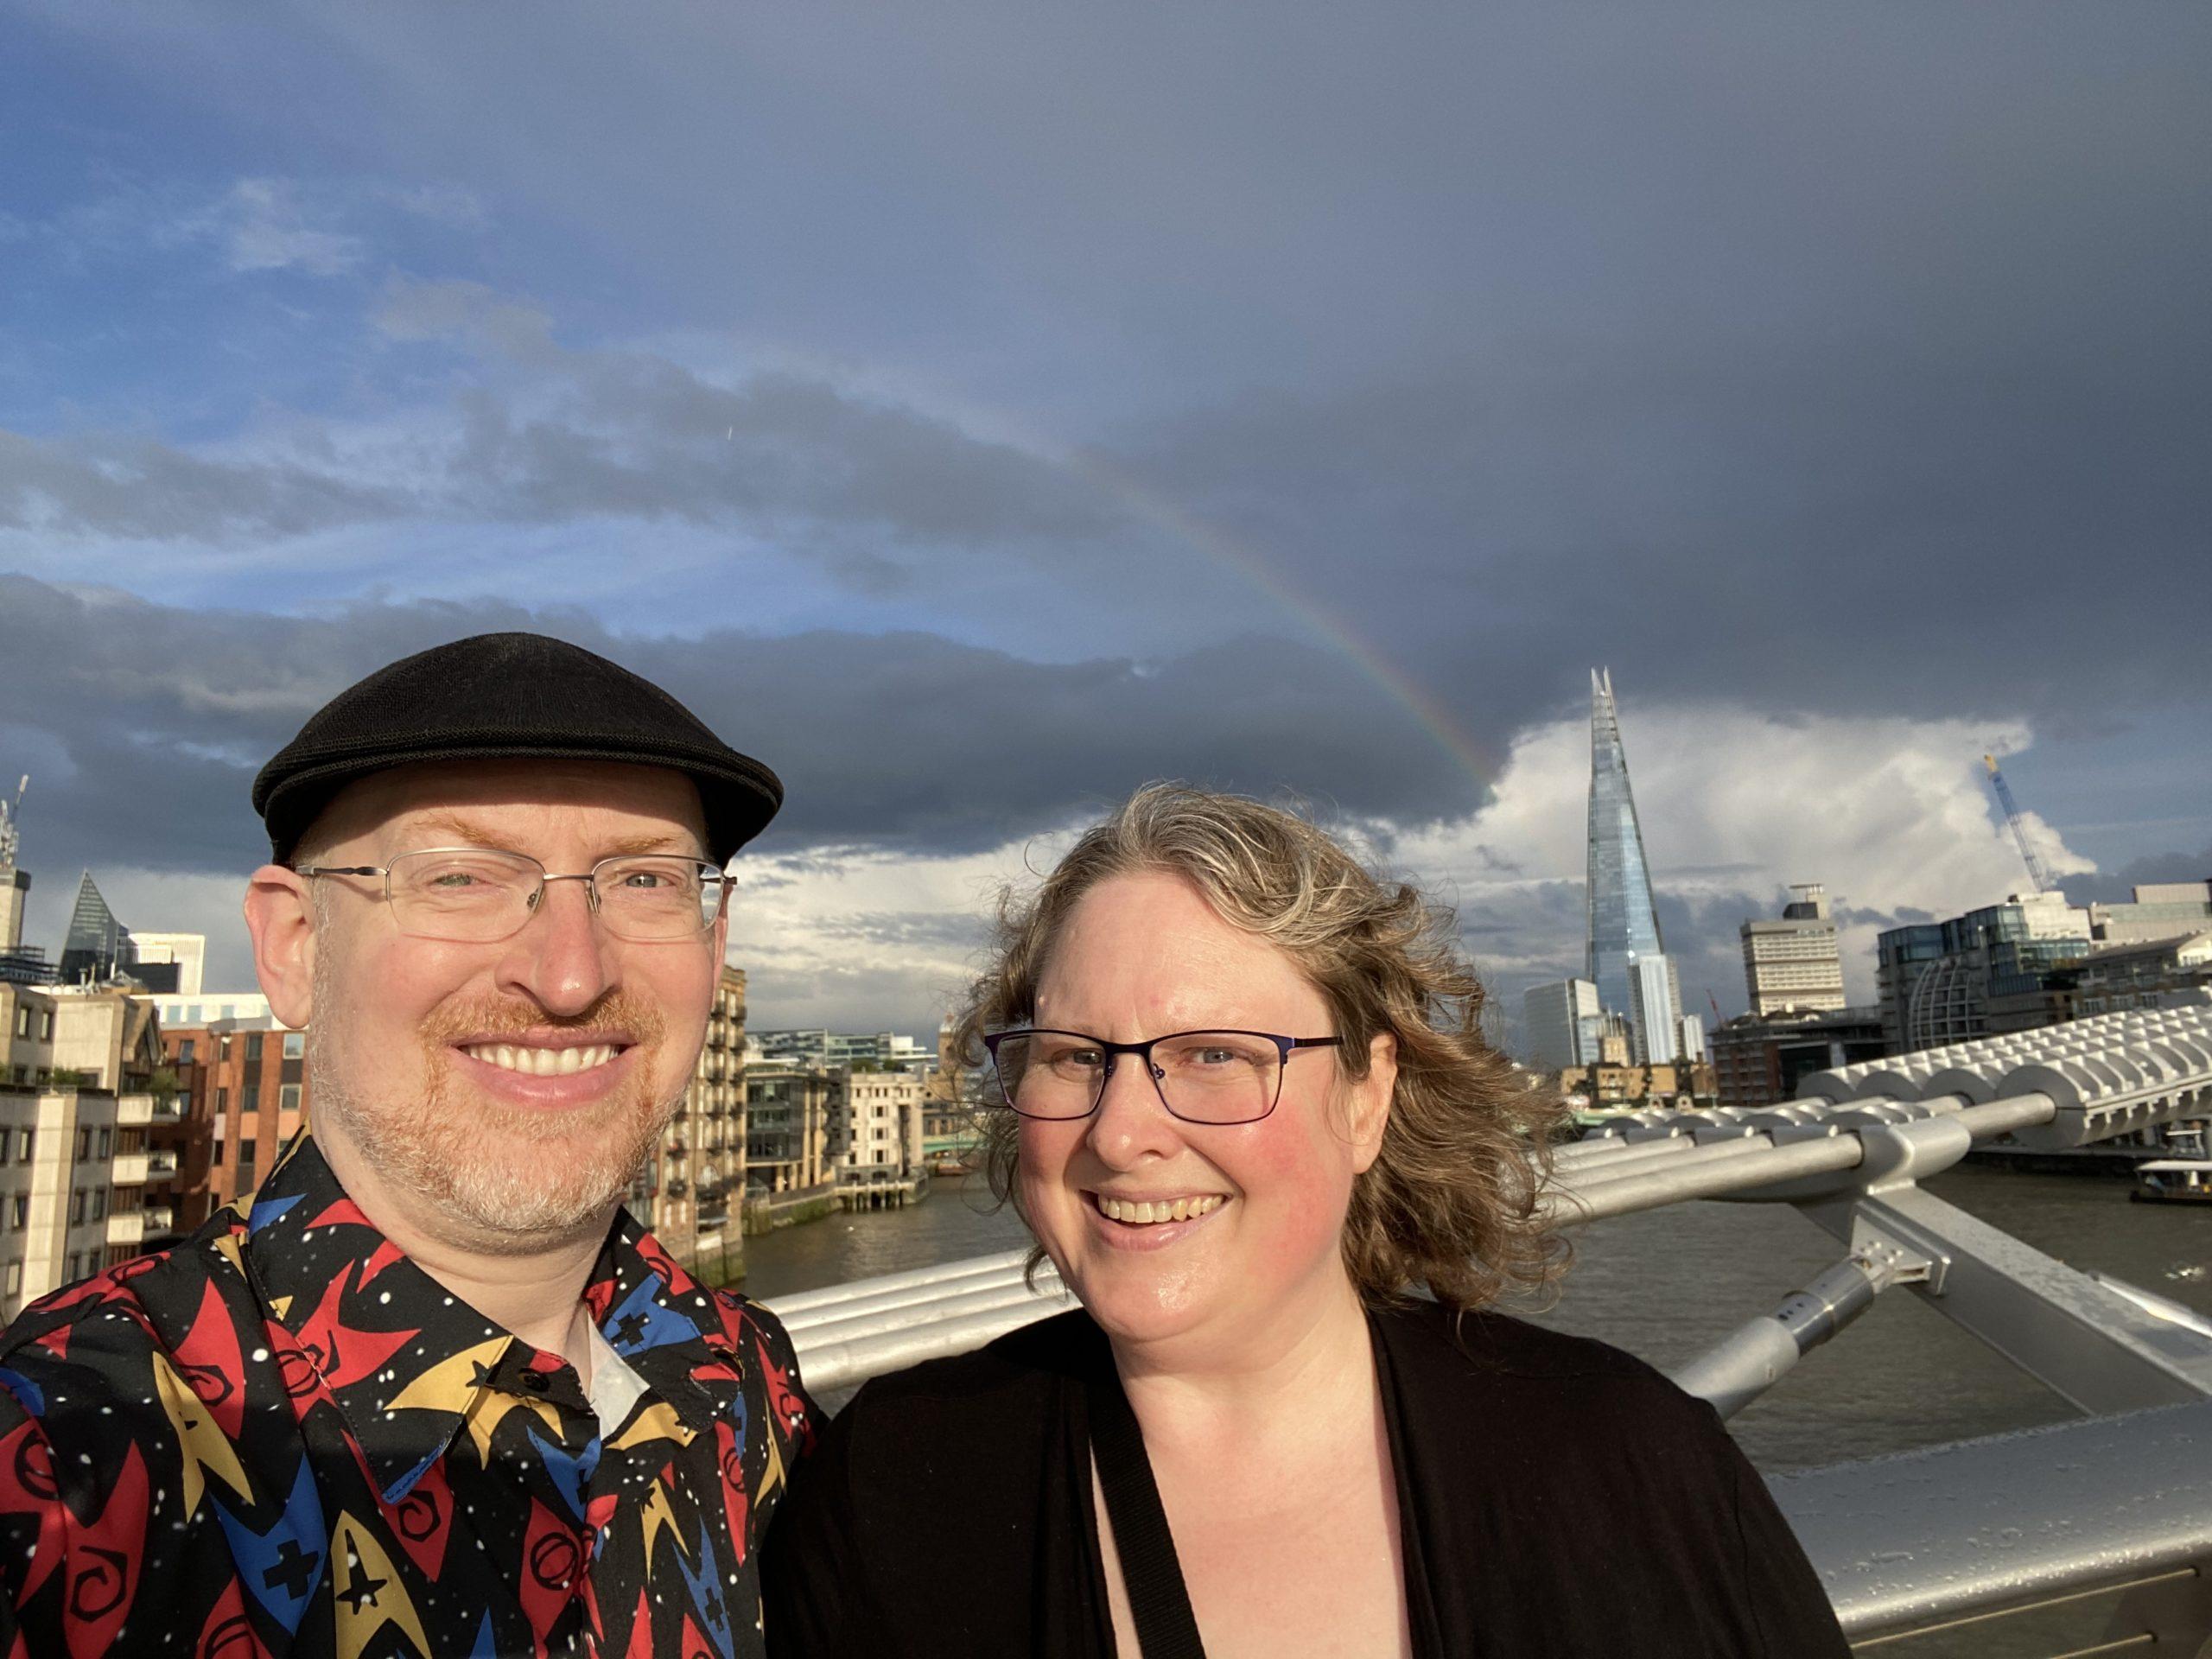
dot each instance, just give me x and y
(2102, 1526)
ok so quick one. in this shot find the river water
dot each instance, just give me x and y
(1667, 1283)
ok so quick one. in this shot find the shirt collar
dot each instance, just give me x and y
(408, 1363)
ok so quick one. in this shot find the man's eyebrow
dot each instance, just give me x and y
(467, 832)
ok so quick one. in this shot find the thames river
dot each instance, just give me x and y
(1666, 1283)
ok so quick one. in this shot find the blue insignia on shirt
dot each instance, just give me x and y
(641, 1323)
(33, 1397)
(571, 1475)
(266, 1210)
(706, 1586)
(484, 1648)
(281, 1569)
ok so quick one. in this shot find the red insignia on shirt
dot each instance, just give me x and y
(229, 1633)
(208, 1359)
(343, 1352)
(424, 1520)
(104, 1562)
(27, 1487)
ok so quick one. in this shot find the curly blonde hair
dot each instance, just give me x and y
(1451, 1200)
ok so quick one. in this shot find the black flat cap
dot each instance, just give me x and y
(498, 696)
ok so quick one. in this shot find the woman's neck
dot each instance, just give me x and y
(1285, 1372)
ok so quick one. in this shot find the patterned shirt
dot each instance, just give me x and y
(283, 1439)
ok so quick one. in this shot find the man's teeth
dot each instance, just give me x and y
(1144, 1214)
(540, 1062)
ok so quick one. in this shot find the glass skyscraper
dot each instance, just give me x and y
(1623, 927)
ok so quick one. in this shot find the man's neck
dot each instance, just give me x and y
(537, 1292)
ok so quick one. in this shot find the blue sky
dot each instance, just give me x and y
(978, 413)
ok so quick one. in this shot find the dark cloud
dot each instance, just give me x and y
(2118, 887)
(906, 740)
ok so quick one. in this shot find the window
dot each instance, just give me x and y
(24, 1019)
(216, 1156)
(76, 1265)
(296, 1044)
(46, 1026)
(222, 1102)
(15, 1278)
(19, 1212)
(253, 1046)
(23, 1147)
(106, 1145)
(184, 1052)
(76, 1210)
(288, 1098)
(100, 1204)
(84, 1143)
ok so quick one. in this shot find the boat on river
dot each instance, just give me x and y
(2173, 1181)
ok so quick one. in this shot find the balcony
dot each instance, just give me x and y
(127, 1228)
(136, 1168)
(141, 1111)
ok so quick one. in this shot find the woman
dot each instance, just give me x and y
(1251, 1106)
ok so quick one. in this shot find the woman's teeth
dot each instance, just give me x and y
(1143, 1215)
(542, 1062)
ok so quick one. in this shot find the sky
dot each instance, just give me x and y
(977, 411)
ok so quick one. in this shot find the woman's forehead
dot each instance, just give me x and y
(1150, 947)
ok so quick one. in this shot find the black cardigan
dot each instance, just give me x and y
(1556, 1495)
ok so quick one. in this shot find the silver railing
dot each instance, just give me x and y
(2109, 1518)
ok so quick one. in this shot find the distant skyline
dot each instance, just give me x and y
(980, 413)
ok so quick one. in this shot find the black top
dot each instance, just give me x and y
(1556, 1495)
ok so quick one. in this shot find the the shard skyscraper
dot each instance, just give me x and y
(1624, 928)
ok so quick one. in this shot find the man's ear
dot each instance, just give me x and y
(280, 915)
(1370, 1101)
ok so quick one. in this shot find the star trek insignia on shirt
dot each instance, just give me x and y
(283, 1439)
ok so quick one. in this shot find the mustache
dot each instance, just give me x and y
(504, 1017)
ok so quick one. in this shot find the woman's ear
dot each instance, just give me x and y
(280, 915)
(1371, 1098)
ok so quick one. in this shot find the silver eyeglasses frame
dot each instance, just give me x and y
(712, 877)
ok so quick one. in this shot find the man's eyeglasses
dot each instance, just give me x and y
(1201, 1076)
(476, 894)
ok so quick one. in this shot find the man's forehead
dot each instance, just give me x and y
(618, 808)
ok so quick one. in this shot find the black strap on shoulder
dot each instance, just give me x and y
(1167, 1628)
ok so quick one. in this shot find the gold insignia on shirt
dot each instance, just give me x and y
(655, 1421)
(199, 1438)
(366, 1593)
(656, 1516)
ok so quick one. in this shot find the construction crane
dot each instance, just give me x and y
(2037, 873)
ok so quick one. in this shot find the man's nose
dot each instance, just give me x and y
(562, 958)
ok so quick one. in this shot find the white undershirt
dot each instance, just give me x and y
(614, 1388)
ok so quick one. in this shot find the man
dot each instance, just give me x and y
(430, 1391)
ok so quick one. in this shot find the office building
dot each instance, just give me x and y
(2160, 974)
(882, 1134)
(691, 1192)
(1691, 1047)
(1794, 964)
(80, 1175)
(2165, 910)
(1622, 923)
(1561, 1025)
(2004, 968)
(885, 1050)
(791, 1108)
(1655, 1009)
(1759, 1061)
(244, 1085)
(187, 952)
